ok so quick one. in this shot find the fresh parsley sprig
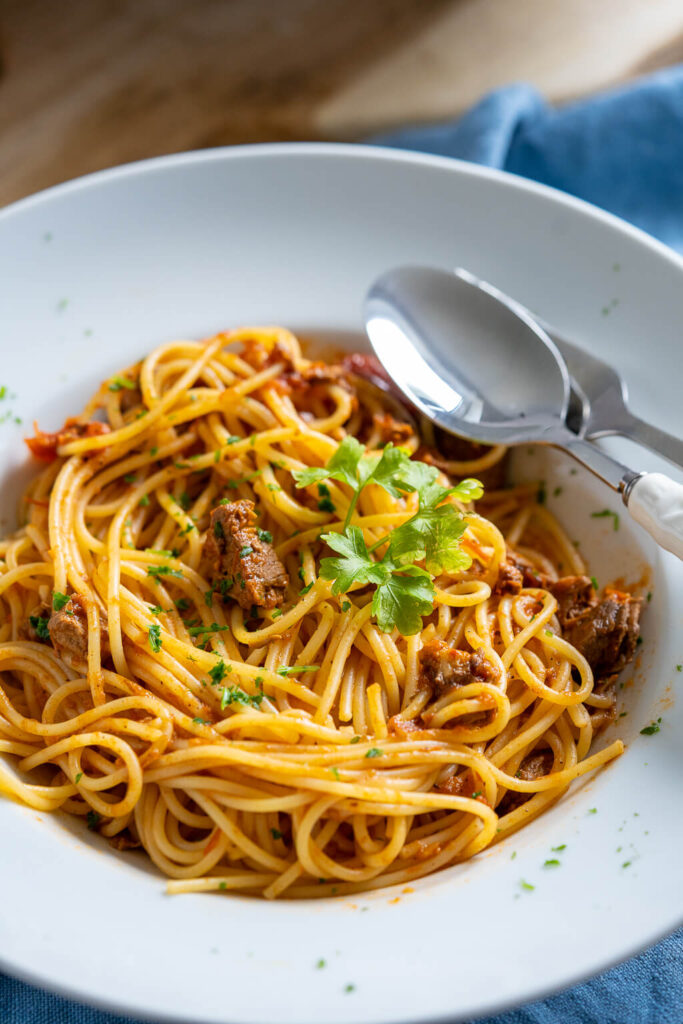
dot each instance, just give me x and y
(404, 590)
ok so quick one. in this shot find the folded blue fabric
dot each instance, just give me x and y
(622, 151)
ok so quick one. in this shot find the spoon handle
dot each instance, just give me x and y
(656, 502)
(652, 437)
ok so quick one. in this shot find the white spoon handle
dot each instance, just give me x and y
(656, 502)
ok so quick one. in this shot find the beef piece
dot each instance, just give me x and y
(68, 630)
(531, 576)
(459, 785)
(510, 579)
(44, 446)
(534, 766)
(442, 667)
(391, 429)
(574, 597)
(606, 633)
(254, 573)
(125, 840)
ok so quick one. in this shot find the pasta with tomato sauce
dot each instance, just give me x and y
(264, 625)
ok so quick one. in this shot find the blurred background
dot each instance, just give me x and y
(86, 84)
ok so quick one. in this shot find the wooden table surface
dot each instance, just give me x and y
(87, 84)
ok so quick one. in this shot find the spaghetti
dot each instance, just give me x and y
(277, 740)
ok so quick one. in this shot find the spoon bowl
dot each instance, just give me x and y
(472, 364)
(477, 364)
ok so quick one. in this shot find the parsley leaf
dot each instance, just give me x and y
(236, 695)
(607, 512)
(374, 752)
(163, 570)
(355, 565)
(118, 383)
(402, 600)
(59, 600)
(154, 633)
(218, 673)
(39, 623)
(291, 670)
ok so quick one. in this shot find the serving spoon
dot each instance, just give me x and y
(486, 370)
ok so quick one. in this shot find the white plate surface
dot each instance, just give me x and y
(94, 274)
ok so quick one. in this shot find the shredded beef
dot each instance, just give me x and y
(44, 446)
(510, 579)
(68, 630)
(391, 429)
(443, 667)
(534, 766)
(125, 840)
(531, 576)
(574, 595)
(606, 632)
(250, 570)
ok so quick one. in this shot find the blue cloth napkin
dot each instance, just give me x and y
(623, 151)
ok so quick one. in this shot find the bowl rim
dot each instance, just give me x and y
(372, 153)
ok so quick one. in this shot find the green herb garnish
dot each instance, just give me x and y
(607, 512)
(154, 633)
(118, 383)
(39, 623)
(59, 600)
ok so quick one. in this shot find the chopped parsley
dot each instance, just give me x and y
(326, 505)
(335, 772)
(236, 695)
(200, 721)
(79, 777)
(349, 988)
(355, 739)
(277, 834)
(154, 633)
(651, 729)
(144, 501)
(594, 583)
(218, 530)
(205, 630)
(276, 614)
(246, 550)
(233, 439)
(163, 570)
(218, 673)
(527, 886)
(184, 500)
(119, 383)
(374, 752)
(605, 513)
(182, 604)
(321, 963)
(559, 849)
(345, 606)
(130, 478)
(93, 819)
(306, 589)
(265, 535)
(290, 670)
(39, 623)
(552, 863)
(59, 600)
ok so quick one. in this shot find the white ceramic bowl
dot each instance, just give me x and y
(95, 273)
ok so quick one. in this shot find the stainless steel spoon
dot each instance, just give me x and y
(484, 369)
(599, 403)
